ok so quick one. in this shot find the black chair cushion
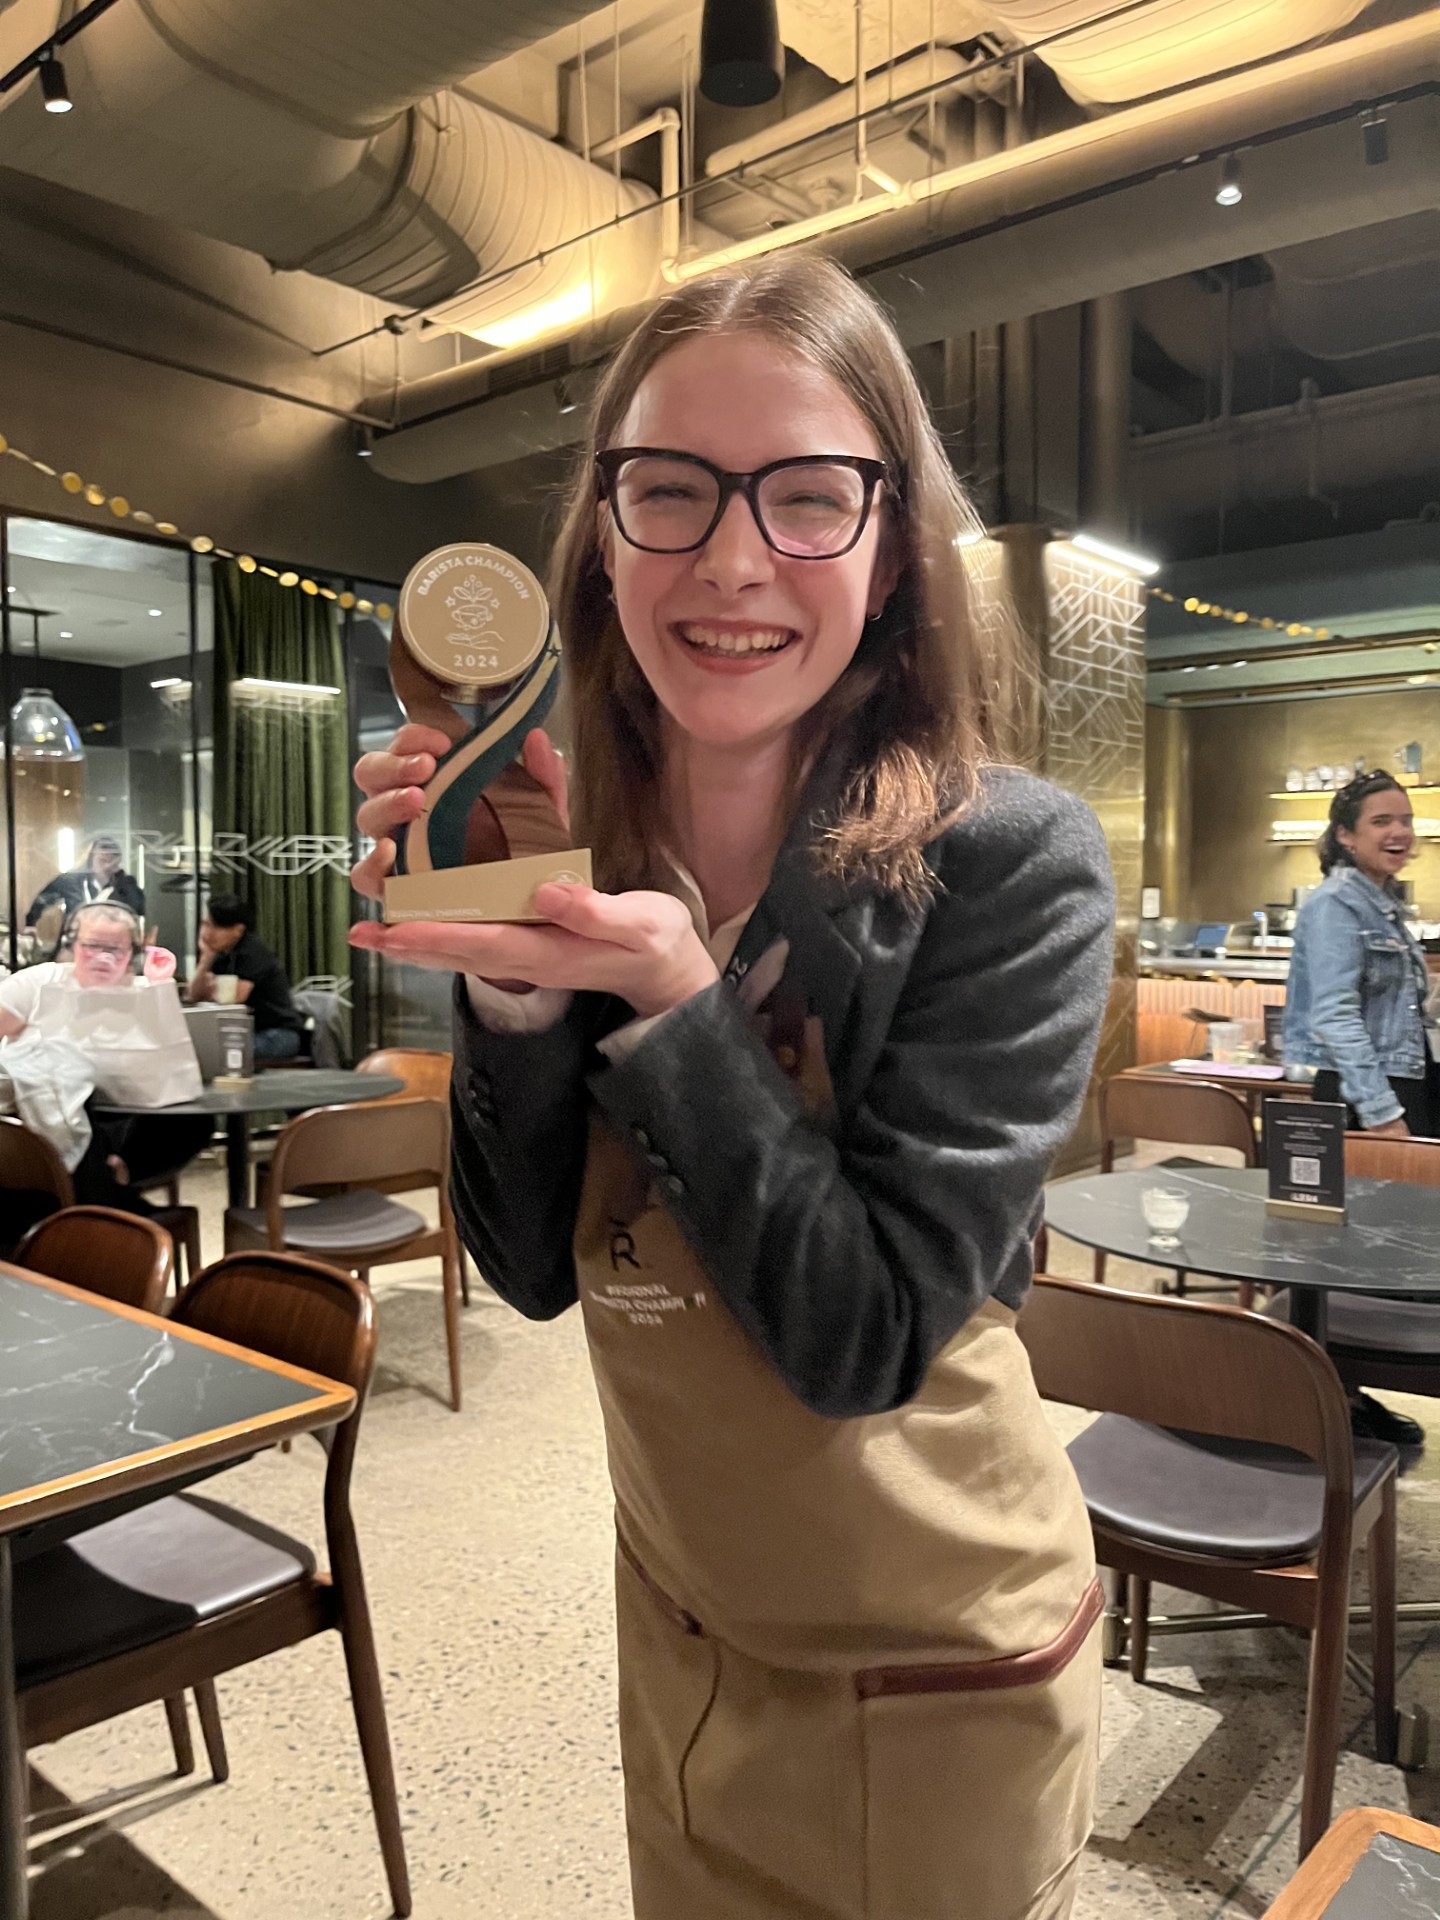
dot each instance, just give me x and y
(1229, 1499)
(144, 1577)
(358, 1220)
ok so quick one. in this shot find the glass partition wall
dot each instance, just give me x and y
(205, 720)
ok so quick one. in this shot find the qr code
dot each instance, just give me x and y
(1304, 1173)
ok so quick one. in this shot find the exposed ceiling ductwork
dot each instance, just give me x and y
(322, 138)
(1088, 211)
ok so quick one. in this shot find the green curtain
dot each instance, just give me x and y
(282, 780)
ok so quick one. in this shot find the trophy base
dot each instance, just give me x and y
(495, 890)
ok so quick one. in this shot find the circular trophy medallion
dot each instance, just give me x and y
(472, 616)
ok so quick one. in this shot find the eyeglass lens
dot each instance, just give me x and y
(97, 946)
(807, 511)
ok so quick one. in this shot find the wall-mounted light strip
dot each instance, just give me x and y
(1117, 556)
(159, 686)
(310, 689)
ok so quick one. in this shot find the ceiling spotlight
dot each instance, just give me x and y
(156, 613)
(1377, 140)
(1229, 193)
(742, 60)
(364, 441)
(66, 636)
(52, 85)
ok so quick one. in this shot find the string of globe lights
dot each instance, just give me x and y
(1237, 618)
(201, 543)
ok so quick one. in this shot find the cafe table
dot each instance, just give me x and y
(295, 1090)
(1371, 1865)
(104, 1409)
(1254, 1084)
(1388, 1243)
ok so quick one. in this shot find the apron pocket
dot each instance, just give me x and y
(978, 1802)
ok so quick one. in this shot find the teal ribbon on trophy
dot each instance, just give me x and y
(477, 760)
(473, 620)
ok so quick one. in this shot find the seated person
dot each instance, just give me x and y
(100, 878)
(107, 940)
(229, 946)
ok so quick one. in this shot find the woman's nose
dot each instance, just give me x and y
(735, 555)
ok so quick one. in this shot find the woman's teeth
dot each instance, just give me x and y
(719, 640)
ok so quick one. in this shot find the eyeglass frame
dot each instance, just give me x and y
(875, 474)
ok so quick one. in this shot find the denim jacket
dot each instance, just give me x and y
(1356, 997)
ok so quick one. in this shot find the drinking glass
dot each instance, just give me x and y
(1166, 1210)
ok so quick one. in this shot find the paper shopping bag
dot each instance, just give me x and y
(134, 1037)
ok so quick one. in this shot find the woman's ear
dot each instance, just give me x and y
(885, 572)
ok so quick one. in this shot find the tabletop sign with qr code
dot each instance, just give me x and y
(474, 653)
(1305, 1152)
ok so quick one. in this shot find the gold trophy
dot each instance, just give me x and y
(473, 630)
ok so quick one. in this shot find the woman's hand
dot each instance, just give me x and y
(1392, 1130)
(642, 947)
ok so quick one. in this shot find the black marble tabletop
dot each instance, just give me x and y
(86, 1390)
(1389, 1242)
(279, 1091)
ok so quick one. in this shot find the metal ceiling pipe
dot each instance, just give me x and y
(1333, 443)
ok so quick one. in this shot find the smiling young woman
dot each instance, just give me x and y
(775, 1105)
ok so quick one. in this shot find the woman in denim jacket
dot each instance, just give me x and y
(1356, 999)
(1355, 1008)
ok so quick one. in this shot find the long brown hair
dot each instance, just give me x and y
(926, 696)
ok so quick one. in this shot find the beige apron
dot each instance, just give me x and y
(859, 1658)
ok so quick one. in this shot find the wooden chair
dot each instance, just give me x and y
(167, 1597)
(1182, 1112)
(353, 1153)
(1184, 1485)
(425, 1070)
(30, 1165)
(426, 1073)
(118, 1255)
(1376, 1342)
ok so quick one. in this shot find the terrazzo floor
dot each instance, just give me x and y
(488, 1543)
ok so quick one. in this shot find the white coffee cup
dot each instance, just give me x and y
(227, 989)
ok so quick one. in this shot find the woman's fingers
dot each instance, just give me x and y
(383, 816)
(410, 760)
(493, 950)
(368, 876)
(543, 763)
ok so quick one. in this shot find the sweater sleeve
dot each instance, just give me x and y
(853, 1260)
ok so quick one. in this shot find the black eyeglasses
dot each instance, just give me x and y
(812, 507)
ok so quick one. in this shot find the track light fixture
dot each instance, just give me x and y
(1375, 136)
(742, 60)
(1229, 193)
(52, 85)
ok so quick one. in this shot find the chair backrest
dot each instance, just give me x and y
(29, 1162)
(425, 1070)
(1178, 1363)
(381, 1140)
(1183, 1112)
(118, 1255)
(1372, 1157)
(300, 1311)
